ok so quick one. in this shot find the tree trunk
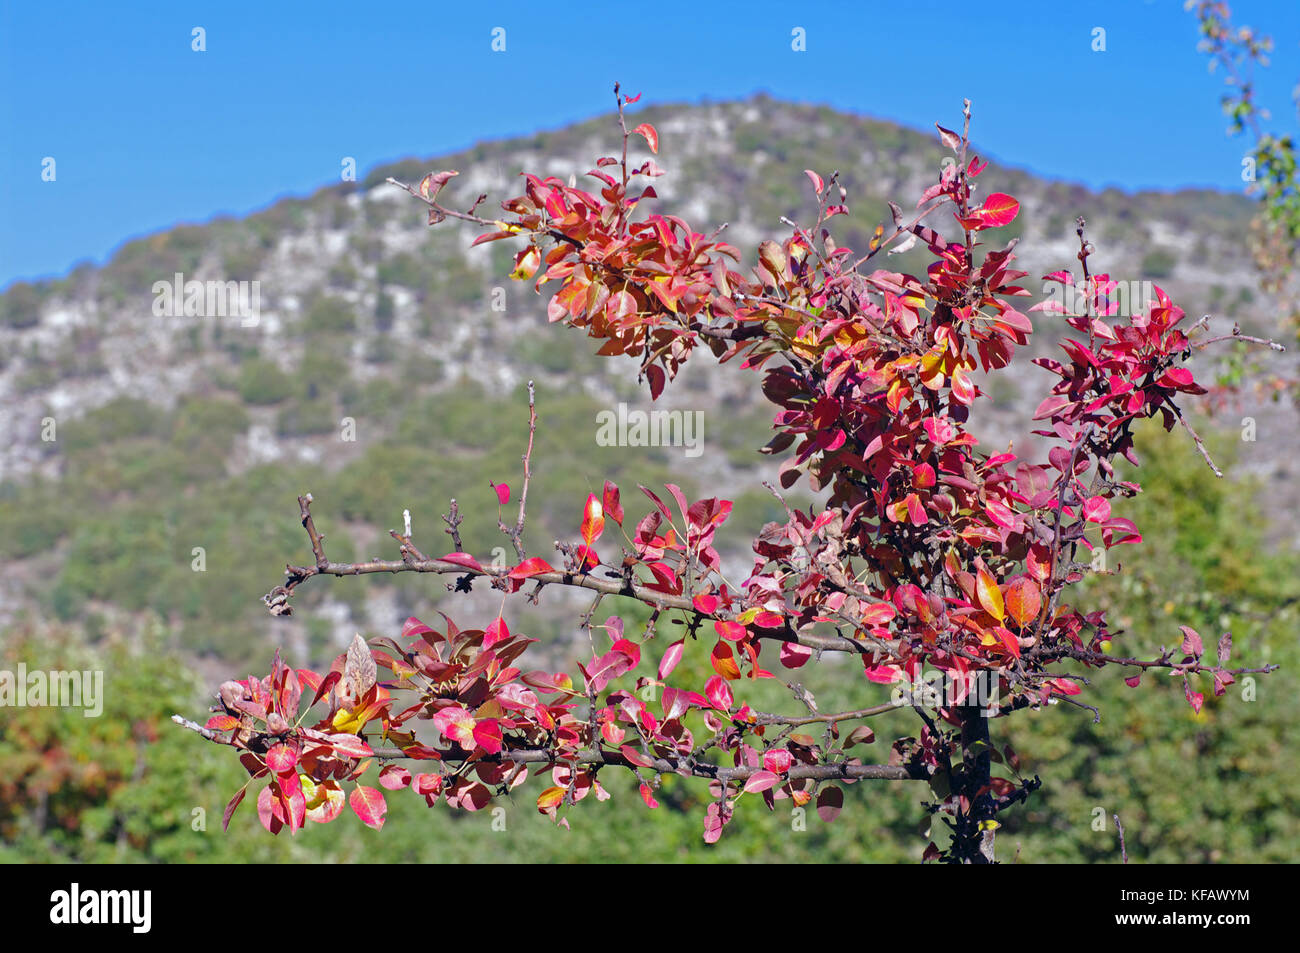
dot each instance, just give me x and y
(972, 842)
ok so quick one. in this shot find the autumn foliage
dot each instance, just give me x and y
(930, 554)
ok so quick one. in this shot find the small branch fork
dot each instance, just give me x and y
(413, 561)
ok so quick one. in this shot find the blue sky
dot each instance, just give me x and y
(146, 132)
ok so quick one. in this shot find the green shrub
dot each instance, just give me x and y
(330, 314)
(307, 418)
(262, 382)
(1159, 263)
(20, 306)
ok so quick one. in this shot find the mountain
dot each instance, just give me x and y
(149, 461)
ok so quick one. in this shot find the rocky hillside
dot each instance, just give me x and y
(149, 460)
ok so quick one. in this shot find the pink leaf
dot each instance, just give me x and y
(777, 760)
(394, 777)
(718, 693)
(793, 655)
(1096, 509)
(1191, 642)
(369, 805)
(281, 759)
(672, 656)
(651, 137)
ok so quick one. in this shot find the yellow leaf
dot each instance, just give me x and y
(550, 799)
(347, 721)
(990, 596)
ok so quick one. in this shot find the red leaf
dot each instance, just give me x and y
(463, 559)
(705, 602)
(730, 630)
(497, 631)
(816, 180)
(829, 803)
(369, 805)
(503, 492)
(1063, 686)
(593, 520)
(610, 502)
(724, 661)
(531, 567)
(651, 137)
(1008, 640)
(229, 812)
(487, 735)
(655, 375)
(484, 239)
(1023, 600)
(636, 757)
(998, 209)
(648, 796)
